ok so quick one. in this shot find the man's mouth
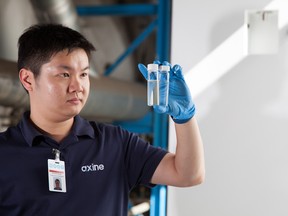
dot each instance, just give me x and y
(74, 100)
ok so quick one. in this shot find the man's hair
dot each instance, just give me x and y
(39, 43)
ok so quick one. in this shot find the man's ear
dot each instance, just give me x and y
(26, 78)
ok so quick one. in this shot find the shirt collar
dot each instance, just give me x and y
(81, 127)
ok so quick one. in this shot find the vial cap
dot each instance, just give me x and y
(153, 67)
(164, 68)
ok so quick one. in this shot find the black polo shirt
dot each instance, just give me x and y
(124, 159)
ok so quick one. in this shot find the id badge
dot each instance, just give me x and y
(56, 176)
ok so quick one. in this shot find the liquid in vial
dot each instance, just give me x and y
(152, 85)
(164, 84)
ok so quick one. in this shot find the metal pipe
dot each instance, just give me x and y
(117, 100)
(57, 11)
(12, 92)
(109, 99)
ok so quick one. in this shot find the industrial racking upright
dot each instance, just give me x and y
(155, 123)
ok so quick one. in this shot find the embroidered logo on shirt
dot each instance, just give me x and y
(92, 168)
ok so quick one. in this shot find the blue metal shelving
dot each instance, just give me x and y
(154, 123)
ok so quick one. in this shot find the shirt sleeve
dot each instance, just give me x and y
(141, 159)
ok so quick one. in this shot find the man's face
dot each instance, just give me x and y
(62, 87)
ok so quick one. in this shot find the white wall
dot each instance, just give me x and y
(243, 117)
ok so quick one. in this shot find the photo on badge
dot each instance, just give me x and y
(57, 184)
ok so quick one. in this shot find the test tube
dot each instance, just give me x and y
(164, 75)
(152, 85)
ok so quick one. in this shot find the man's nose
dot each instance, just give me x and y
(75, 85)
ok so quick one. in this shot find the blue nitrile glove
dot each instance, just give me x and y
(180, 105)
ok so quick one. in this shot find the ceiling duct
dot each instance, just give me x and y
(110, 99)
(56, 11)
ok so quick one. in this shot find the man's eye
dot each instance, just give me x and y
(84, 74)
(64, 75)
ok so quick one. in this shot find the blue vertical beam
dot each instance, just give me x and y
(160, 122)
(164, 30)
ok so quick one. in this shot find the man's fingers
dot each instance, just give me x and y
(142, 68)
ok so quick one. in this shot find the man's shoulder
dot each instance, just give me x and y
(110, 132)
(10, 134)
(5, 133)
(105, 127)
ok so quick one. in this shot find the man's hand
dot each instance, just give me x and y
(180, 105)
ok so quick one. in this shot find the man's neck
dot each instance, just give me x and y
(56, 130)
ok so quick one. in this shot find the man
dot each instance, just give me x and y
(57, 185)
(98, 164)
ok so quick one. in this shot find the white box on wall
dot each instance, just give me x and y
(262, 35)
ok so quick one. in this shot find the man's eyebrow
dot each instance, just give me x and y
(86, 68)
(66, 67)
